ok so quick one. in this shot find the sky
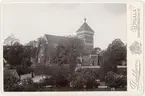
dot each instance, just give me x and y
(29, 21)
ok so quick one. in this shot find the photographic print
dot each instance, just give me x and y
(66, 47)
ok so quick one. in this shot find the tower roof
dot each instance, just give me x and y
(85, 27)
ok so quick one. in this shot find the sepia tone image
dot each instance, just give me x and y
(64, 47)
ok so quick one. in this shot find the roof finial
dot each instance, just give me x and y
(85, 19)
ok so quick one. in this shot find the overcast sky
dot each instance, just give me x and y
(28, 21)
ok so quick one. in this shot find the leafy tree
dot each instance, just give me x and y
(74, 49)
(59, 75)
(60, 57)
(97, 50)
(68, 52)
(11, 40)
(17, 55)
(32, 43)
(13, 54)
(110, 57)
(117, 50)
(33, 47)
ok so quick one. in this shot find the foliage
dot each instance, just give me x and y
(110, 57)
(115, 80)
(40, 69)
(117, 50)
(11, 40)
(47, 81)
(68, 52)
(35, 46)
(97, 50)
(23, 70)
(84, 78)
(10, 82)
(17, 55)
(29, 85)
(27, 81)
(58, 75)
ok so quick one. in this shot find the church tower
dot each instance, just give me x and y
(86, 34)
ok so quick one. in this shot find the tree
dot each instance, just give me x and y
(115, 53)
(33, 47)
(74, 48)
(97, 50)
(68, 52)
(17, 54)
(11, 40)
(32, 43)
(61, 55)
(117, 50)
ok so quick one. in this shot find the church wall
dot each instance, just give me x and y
(45, 50)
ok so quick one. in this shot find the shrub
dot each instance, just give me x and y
(10, 83)
(58, 75)
(61, 80)
(29, 85)
(84, 78)
(47, 81)
(23, 70)
(27, 81)
(115, 80)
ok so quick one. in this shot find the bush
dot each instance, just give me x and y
(47, 81)
(84, 78)
(27, 81)
(115, 80)
(10, 83)
(58, 75)
(61, 80)
(29, 85)
(23, 70)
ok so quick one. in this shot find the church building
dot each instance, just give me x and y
(49, 42)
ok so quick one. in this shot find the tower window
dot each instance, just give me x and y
(89, 37)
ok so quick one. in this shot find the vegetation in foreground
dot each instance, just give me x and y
(65, 78)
